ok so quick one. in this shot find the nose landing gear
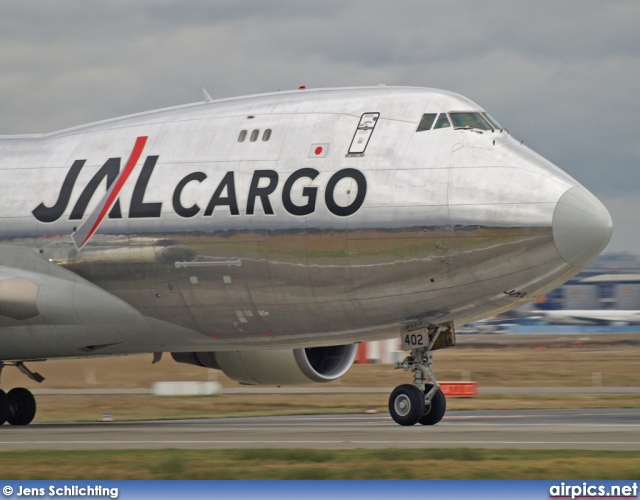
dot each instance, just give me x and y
(423, 402)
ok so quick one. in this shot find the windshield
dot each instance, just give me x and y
(492, 121)
(442, 122)
(470, 120)
(426, 122)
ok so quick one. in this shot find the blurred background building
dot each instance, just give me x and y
(611, 282)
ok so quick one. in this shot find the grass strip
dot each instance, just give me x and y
(458, 463)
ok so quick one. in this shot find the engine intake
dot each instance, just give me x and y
(277, 366)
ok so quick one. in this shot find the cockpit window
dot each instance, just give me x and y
(491, 120)
(470, 120)
(426, 122)
(442, 122)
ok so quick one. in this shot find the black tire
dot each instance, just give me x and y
(22, 406)
(435, 411)
(4, 407)
(406, 404)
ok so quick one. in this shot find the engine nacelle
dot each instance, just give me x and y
(277, 366)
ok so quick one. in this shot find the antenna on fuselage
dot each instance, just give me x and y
(207, 97)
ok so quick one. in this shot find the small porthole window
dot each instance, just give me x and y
(254, 135)
(242, 136)
(267, 135)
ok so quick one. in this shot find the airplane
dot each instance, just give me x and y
(267, 235)
(589, 317)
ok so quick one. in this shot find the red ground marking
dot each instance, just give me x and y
(269, 334)
(318, 150)
(459, 389)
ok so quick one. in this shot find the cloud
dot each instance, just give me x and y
(560, 75)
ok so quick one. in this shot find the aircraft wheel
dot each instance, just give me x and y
(406, 404)
(22, 406)
(4, 407)
(435, 411)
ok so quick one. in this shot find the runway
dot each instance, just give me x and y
(606, 429)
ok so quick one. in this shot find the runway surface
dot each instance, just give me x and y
(607, 429)
(244, 391)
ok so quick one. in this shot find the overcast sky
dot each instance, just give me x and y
(564, 76)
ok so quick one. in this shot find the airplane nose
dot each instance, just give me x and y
(582, 226)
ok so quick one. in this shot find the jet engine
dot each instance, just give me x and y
(277, 366)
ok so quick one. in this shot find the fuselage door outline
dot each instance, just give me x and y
(363, 133)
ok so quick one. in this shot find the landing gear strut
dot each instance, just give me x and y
(18, 406)
(423, 402)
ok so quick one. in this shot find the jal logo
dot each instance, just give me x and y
(262, 186)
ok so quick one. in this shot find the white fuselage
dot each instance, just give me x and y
(280, 220)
